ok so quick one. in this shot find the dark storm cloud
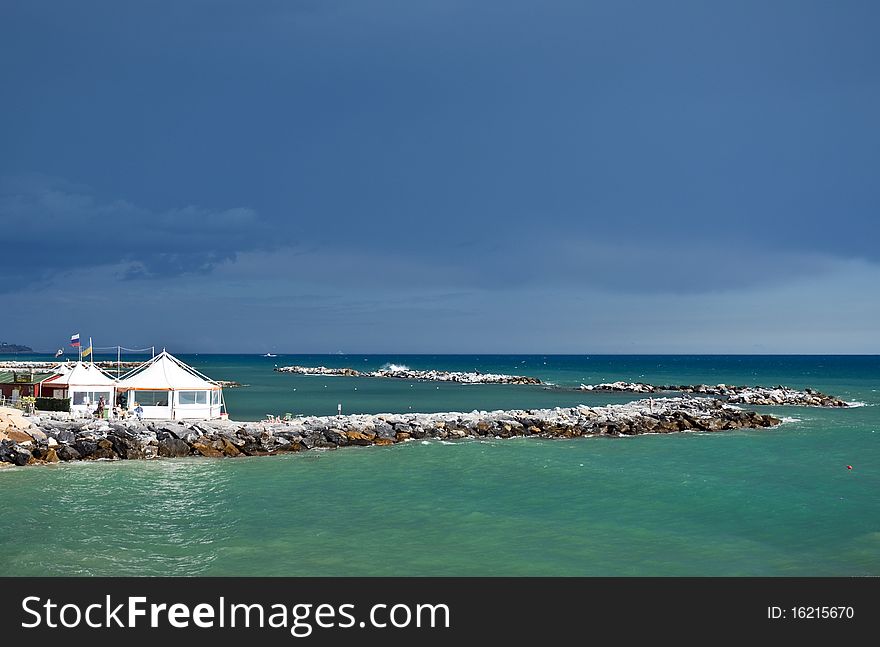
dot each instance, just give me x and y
(501, 148)
(71, 229)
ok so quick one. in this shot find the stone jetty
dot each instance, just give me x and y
(54, 437)
(50, 364)
(403, 373)
(752, 395)
(320, 370)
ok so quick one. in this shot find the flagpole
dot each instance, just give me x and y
(118, 365)
(92, 352)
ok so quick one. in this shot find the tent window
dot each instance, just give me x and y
(79, 397)
(151, 398)
(192, 397)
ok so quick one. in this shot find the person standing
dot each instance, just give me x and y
(101, 405)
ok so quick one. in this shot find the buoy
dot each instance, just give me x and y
(849, 467)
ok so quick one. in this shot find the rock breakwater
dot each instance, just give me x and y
(409, 374)
(753, 395)
(48, 365)
(50, 438)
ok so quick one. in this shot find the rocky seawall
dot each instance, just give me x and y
(50, 438)
(754, 395)
(44, 364)
(409, 374)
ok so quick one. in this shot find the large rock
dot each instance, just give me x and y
(11, 452)
(360, 438)
(206, 448)
(384, 430)
(65, 436)
(18, 436)
(172, 447)
(127, 448)
(104, 450)
(85, 448)
(336, 436)
(68, 453)
(46, 454)
(230, 449)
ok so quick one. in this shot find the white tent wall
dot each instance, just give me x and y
(84, 400)
(84, 384)
(168, 389)
(187, 404)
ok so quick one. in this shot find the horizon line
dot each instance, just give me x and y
(490, 354)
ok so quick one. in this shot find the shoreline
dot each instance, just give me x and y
(51, 438)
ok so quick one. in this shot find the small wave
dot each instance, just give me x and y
(395, 367)
(787, 419)
(858, 404)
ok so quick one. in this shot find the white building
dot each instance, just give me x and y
(85, 384)
(168, 389)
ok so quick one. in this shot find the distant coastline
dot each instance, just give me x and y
(14, 348)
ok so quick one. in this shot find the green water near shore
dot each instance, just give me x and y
(777, 502)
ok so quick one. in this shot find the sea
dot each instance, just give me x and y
(797, 500)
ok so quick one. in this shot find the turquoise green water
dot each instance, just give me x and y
(778, 502)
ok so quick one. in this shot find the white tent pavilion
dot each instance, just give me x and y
(84, 384)
(169, 389)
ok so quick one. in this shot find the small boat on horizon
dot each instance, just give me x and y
(270, 355)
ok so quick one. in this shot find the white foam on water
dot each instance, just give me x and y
(395, 367)
(787, 419)
(859, 404)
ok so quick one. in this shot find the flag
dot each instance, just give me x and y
(87, 352)
(74, 340)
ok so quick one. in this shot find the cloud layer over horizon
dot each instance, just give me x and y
(441, 177)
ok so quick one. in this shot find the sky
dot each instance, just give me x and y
(441, 176)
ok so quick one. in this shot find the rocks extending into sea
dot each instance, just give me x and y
(409, 374)
(50, 364)
(50, 438)
(754, 395)
(320, 370)
(230, 384)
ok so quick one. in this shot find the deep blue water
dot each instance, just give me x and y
(768, 502)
